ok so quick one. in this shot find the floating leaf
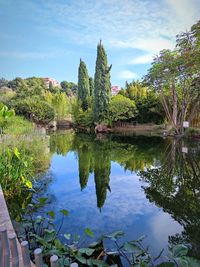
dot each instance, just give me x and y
(51, 214)
(88, 232)
(42, 200)
(87, 251)
(64, 212)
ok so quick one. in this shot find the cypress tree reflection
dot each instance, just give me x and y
(175, 186)
(84, 157)
(102, 168)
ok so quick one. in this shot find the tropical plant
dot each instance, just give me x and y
(5, 114)
(16, 171)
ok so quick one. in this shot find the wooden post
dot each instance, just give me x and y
(38, 257)
(13, 249)
(5, 247)
(54, 261)
(25, 254)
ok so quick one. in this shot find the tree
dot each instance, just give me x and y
(102, 85)
(83, 85)
(175, 76)
(69, 88)
(3, 82)
(122, 108)
(91, 84)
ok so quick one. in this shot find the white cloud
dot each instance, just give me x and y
(127, 74)
(148, 58)
(146, 25)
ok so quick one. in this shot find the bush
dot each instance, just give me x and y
(192, 131)
(82, 118)
(35, 109)
(122, 108)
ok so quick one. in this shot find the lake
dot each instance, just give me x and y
(142, 185)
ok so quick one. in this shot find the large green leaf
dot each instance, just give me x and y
(179, 250)
(87, 251)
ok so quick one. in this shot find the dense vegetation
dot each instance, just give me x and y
(36, 101)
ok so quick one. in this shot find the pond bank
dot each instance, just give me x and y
(5, 221)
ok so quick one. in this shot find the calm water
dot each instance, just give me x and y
(141, 185)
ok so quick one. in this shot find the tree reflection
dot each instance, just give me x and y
(175, 186)
(95, 156)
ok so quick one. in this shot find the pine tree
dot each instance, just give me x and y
(83, 85)
(102, 85)
(91, 84)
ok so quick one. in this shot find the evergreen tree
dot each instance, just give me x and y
(83, 85)
(91, 84)
(102, 85)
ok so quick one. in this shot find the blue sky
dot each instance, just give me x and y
(46, 38)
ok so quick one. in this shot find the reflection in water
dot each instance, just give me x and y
(137, 182)
(175, 186)
(95, 155)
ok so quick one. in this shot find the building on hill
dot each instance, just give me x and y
(51, 81)
(115, 90)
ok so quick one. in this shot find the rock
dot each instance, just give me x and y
(101, 128)
(52, 125)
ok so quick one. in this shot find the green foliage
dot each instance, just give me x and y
(189, 132)
(122, 108)
(60, 103)
(102, 85)
(17, 125)
(91, 85)
(27, 87)
(175, 76)
(82, 119)
(147, 102)
(69, 88)
(83, 85)
(3, 83)
(35, 109)
(16, 170)
(5, 115)
(41, 231)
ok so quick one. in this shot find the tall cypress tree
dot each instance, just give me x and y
(102, 85)
(83, 85)
(91, 84)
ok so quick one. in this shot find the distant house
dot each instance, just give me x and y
(115, 90)
(51, 81)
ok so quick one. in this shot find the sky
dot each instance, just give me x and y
(47, 38)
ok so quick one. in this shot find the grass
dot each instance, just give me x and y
(17, 125)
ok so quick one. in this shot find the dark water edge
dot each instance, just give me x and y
(138, 184)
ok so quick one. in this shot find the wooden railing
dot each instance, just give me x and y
(9, 254)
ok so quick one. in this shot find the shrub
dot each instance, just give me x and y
(82, 118)
(192, 131)
(35, 109)
(122, 108)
